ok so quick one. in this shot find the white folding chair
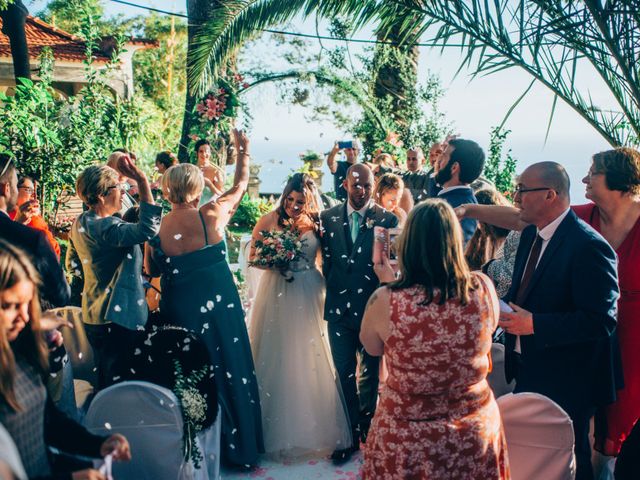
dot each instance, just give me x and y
(497, 380)
(539, 437)
(150, 417)
(210, 441)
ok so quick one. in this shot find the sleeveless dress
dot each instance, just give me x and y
(621, 415)
(199, 294)
(437, 417)
(302, 408)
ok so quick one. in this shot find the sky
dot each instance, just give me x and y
(279, 133)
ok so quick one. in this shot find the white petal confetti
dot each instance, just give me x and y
(117, 308)
(177, 236)
(210, 304)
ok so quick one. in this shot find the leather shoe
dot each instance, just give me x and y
(341, 456)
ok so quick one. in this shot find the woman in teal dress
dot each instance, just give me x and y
(199, 293)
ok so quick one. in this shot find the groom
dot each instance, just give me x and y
(347, 243)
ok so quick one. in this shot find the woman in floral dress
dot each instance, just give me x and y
(437, 417)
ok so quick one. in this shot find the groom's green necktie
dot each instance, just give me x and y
(355, 225)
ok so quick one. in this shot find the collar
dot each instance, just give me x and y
(547, 232)
(362, 211)
(455, 187)
(4, 213)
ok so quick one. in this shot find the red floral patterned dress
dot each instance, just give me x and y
(437, 417)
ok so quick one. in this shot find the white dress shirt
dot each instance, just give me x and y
(546, 234)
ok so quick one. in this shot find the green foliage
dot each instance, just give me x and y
(248, 213)
(500, 167)
(160, 78)
(555, 42)
(411, 108)
(71, 16)
(53, 138)
(4, 4)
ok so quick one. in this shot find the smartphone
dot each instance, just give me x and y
(345, 144)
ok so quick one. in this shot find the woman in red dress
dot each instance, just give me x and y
(437, 417)
(613, 184)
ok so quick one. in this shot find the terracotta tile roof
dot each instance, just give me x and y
(65, 47)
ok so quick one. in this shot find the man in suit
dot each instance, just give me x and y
(54, 291)
(560, 338)
(459, 165)
(347, 248)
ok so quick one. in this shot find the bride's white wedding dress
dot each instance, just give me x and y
(303, 412)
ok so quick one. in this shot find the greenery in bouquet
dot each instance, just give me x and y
(278, 249)
(194, 410)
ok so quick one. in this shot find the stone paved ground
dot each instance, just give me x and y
(309, 469)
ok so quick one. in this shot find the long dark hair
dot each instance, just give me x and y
(16, 267)
(487, 238)
(301, 183)
(430, 254)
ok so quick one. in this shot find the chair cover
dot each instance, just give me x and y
(496, 378)
(210, 441)
(539, 437)
(77, 345)
(150, 417)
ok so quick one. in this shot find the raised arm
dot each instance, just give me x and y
(498, 215)
(331, 158)
(131, 170)
(224, 208)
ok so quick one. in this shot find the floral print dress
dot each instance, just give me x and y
(437, 417)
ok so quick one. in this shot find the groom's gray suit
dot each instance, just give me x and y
(348, 269)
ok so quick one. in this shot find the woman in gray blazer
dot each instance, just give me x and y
(106, 250)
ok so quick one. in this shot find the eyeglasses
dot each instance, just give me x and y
(29, 190)
(519, 189)
(124, 186)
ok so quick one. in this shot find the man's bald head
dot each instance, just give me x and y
(359, 185)
(359, 172)
(552, 175)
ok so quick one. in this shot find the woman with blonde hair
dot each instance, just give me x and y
(106, 251)
(199, 293)
(26, 412)
(389, 193)
(437, 416)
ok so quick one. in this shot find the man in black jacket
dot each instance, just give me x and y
(561, 339)
(347, 245)
(54, 291)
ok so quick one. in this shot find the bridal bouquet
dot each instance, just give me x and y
(278, 249)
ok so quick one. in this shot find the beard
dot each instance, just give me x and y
(444, 175)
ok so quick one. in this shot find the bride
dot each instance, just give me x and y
(302, 408)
